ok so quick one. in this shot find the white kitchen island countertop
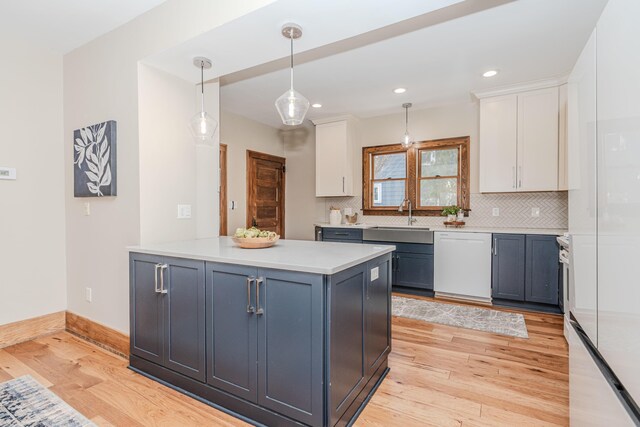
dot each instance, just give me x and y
(291, 255)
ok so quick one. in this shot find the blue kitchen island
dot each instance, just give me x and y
(296, 334)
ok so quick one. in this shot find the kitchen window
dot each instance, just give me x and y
(432, 174)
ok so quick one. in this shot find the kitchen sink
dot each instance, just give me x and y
(398, 234)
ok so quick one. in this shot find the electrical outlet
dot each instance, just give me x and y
(184, 211)
(375, 273)
(495, 212)
(88, 294)
(535, 212)
(87, 209)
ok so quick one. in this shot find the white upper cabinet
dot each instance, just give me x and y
(334, 158)
(498, 143)
(519, 141)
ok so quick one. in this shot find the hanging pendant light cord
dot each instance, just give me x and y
(202, 85)
(406, 120)
(291, 57)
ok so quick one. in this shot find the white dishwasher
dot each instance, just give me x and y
(462, 265)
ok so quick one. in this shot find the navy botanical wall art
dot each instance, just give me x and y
(94, 158)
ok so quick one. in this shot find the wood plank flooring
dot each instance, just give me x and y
(440, 376)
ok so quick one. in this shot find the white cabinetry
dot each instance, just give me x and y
(334, 157)
(519, 141)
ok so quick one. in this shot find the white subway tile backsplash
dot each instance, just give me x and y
(515, 210)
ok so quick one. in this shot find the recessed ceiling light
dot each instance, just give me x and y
(316, 105)
(399, 90)
(489, 73)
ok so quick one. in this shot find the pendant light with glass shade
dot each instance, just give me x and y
(202, 125)
(407, 141)
(291, 105)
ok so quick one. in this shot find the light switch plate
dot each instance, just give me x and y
(7, 173)
(535, 212)
(375, 273)
(495, 212)
(184, 211)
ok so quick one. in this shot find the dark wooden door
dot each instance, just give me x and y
(290, 344)
(232, 329)
(147, 320)
(508, 266)
(542, 269)
(184, 301)
(265, 191)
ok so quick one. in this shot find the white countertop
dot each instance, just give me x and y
(468, 229)
(292, 255)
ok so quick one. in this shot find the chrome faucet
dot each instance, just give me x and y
(411, 219)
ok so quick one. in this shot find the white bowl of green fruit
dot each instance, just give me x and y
(254, 238)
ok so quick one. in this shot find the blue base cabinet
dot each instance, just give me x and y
(281, 347)
(167, 313)
(526, 270)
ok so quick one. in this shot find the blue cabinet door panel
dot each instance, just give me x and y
(543, 269)
(508, 267)
(147, 320)
(231, 330)
(184, 313)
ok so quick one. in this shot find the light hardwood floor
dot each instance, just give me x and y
(440, 376)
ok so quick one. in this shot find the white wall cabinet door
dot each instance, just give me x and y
(334, 169)
(498, 143)
(538, 140)
(519, 142)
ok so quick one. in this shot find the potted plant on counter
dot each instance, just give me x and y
(450, 212)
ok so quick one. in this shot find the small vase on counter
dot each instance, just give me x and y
(335, 217)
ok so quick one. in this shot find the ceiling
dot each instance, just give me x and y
(63, 25)
(439, 64)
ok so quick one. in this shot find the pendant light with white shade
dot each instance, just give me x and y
(407, 141)
(291, 105)
(202, 125)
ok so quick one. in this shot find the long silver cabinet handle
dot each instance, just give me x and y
(520, 176)
(250, 309)
(163, 267)
(495, 247)
(155, 278)
(259, 281)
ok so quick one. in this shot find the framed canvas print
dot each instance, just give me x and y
(94, 160)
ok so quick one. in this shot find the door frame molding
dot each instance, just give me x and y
(224, 215)
(251, 155)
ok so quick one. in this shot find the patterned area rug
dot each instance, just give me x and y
(481, 319)
(24, 402)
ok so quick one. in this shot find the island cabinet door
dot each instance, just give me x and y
(232, 329)
(182, 282)
(377, 313)
(290, 344)
(347, 370)
(508, 266)
(147, 327)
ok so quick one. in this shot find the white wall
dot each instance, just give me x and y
(432, 123)
(101, 83)
(242, 134)
(32, 253)
(301, 204)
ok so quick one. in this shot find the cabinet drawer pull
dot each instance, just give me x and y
(495, 247)
(250, 309)
(340, 234)
(155, 278)
(259, 310)
(343, 185)
(163, 267)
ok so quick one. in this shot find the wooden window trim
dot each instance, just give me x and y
(413, 176)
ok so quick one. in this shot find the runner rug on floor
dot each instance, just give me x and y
(481, 319)
(24, 402)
